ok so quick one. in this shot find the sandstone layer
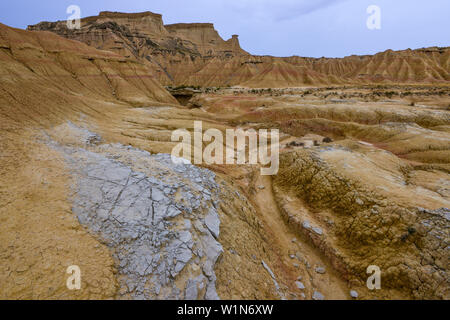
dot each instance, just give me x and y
(194, 54)
(87, 179)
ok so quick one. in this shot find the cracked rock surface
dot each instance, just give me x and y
(369, 223)
(159, 219)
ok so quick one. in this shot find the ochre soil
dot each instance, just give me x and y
(371, 195)
(391, 156)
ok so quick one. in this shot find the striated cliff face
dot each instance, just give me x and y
(205, 39)
(173, 52)
(86, 176)
(44, 75)
(195, 54)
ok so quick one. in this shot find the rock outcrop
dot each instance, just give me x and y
(174, 52)
(377, 193)
(372, 224)
(86, 178)
(68, 75)
(195, 54)
(158, 218)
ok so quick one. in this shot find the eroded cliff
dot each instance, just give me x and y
(195, 54)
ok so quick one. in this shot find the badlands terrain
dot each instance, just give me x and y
(86, 118)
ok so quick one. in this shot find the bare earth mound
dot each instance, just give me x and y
(86, 177)
(195, 54)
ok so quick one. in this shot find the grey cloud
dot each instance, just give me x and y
(304, 8)
(278, 10)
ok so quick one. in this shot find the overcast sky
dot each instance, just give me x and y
(314, 28)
